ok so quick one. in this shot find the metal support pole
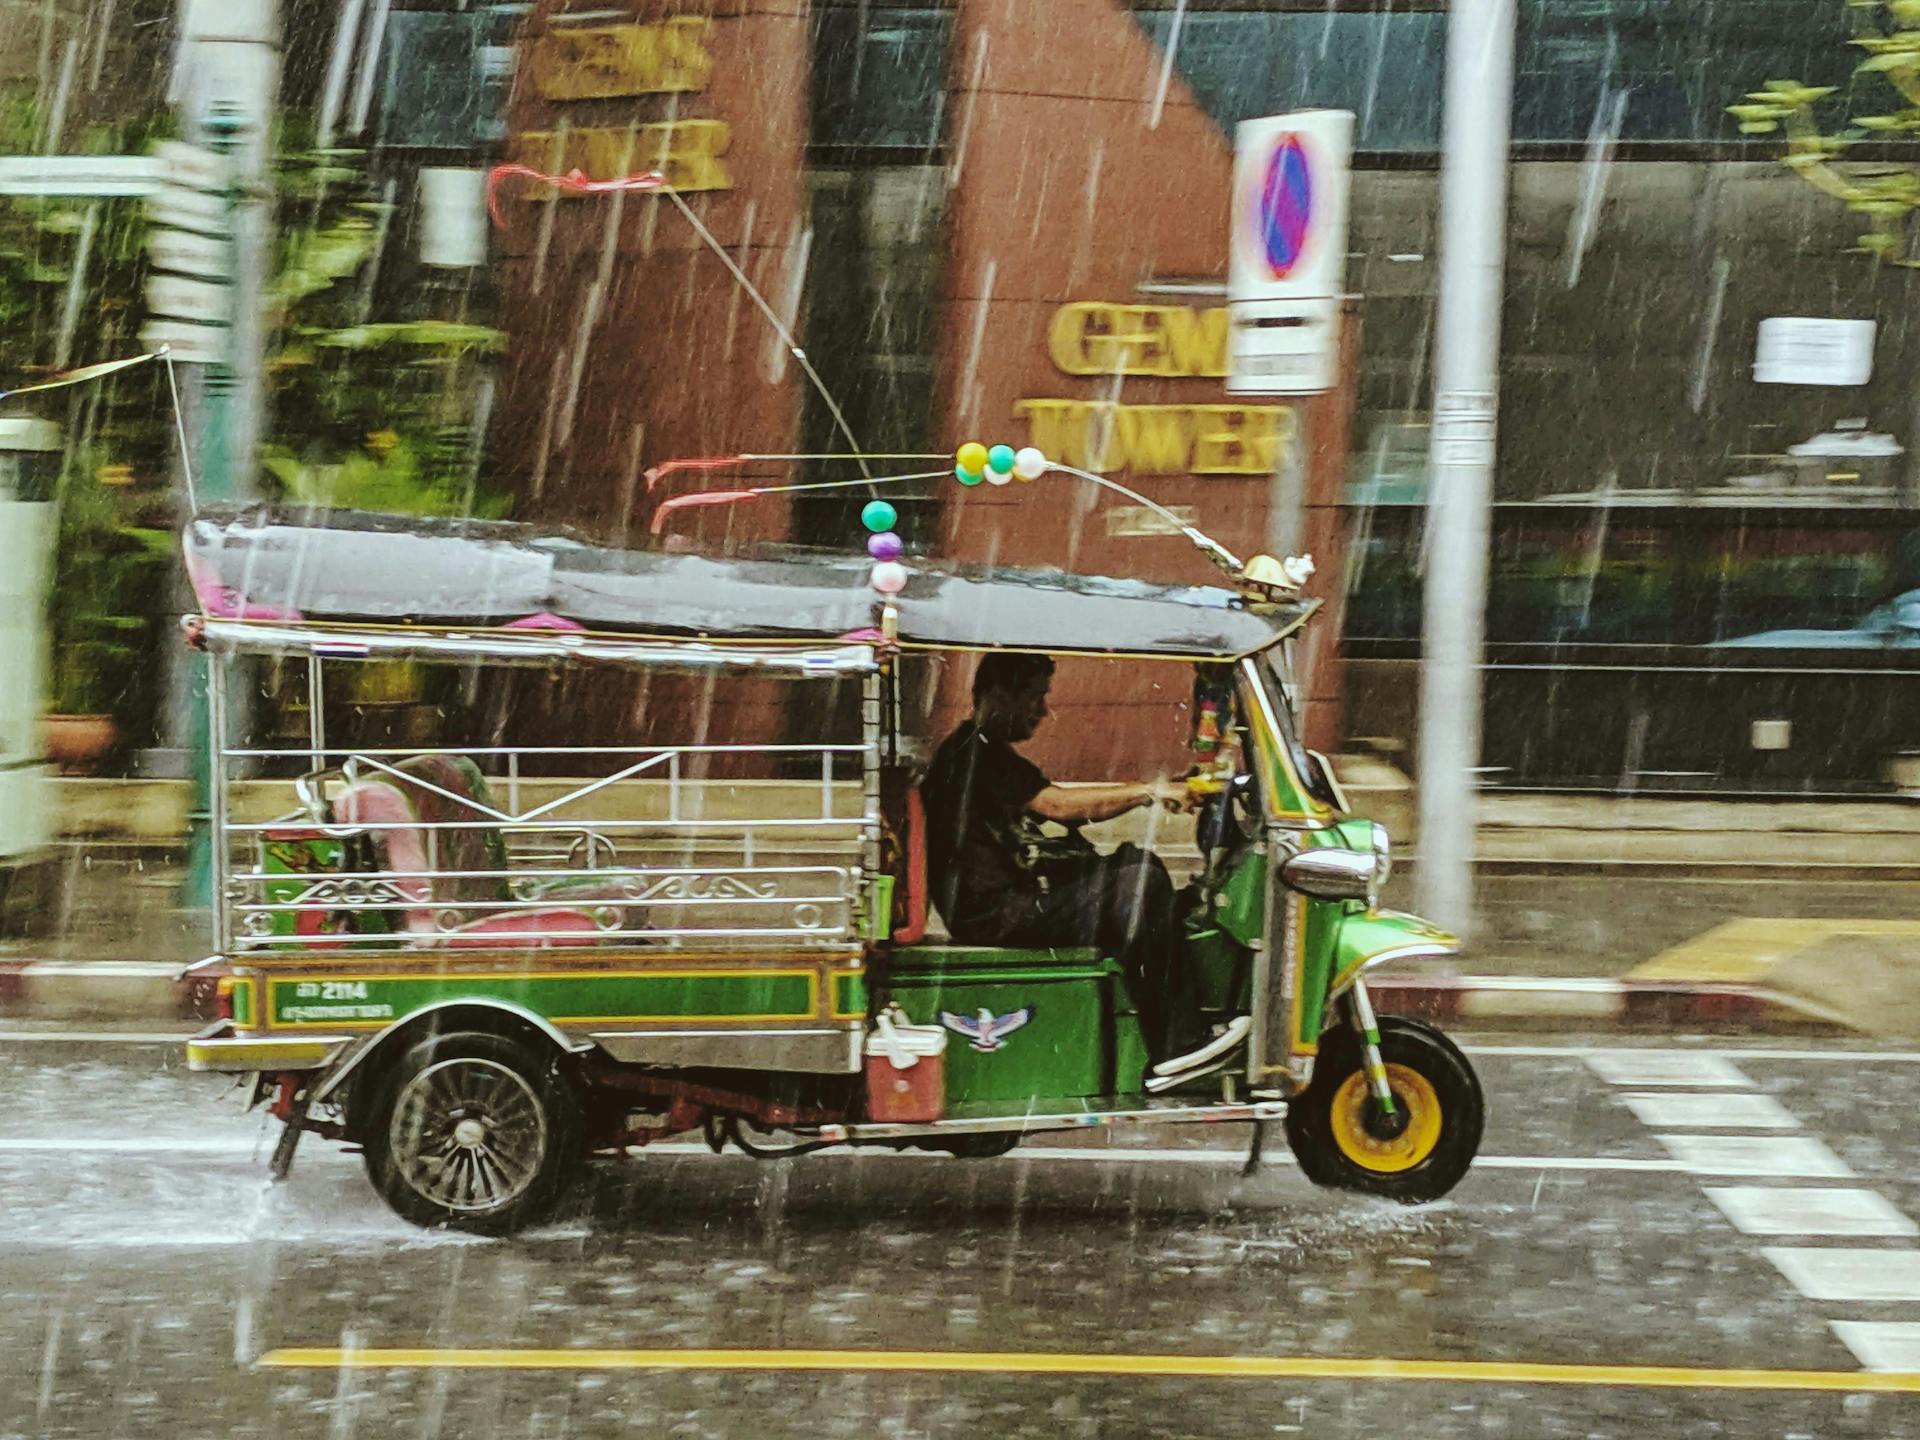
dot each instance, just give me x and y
(225, 127)
(1473, 223)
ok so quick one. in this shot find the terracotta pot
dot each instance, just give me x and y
(77, 743)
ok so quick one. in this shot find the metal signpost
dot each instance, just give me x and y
(1466, 367)
(198, 201)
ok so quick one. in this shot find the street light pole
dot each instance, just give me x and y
(1473, 223)
(225, 128)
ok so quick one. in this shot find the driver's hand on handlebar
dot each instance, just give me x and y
(1175, 795)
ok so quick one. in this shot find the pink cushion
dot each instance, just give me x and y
(375, 802)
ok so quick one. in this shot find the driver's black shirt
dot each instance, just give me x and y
(979, 833)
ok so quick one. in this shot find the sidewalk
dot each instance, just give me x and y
(1593, 911)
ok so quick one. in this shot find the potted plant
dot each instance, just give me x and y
(108, 574)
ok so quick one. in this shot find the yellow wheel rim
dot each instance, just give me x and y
(1412, 1146)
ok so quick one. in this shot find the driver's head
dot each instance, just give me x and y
(1010, 695)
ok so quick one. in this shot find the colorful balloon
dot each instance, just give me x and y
(972, 456)
(885, 546)
(1030, 464)
(966, 476)
(1000, 460)
(878, 515)
(889, 577)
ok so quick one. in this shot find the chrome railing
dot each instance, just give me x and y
(643, 852)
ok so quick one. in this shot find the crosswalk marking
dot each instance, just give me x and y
(1781, 1156)
(1667, 1067)
(1710, 1112)
(1774, 1210)
(1872, 1276)
(1881, 1344)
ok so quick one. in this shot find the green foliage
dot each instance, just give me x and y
(389, 474)
(109, 581)
(407, 387)
(1885, 195)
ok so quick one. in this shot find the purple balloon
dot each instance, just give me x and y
(885, 546)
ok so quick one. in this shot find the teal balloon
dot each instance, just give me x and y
(966, 476)
(878, 515)
(1000, 459)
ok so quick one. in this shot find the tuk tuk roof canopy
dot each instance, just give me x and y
(284, 567)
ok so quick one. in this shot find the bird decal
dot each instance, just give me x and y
(986, 1031)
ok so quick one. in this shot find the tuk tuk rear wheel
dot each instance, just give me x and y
(473, 1131)
(1329, 1125)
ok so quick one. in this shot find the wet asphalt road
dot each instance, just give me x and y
(149, 1273)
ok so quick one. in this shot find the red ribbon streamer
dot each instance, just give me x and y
(656, 473)
(698, 497)
(573, 180)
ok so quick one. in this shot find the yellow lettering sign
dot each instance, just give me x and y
(1093, 338)
(594, 62)
(687, 152)
(1103, 436)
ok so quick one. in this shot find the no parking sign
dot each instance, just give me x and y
(1288, 257)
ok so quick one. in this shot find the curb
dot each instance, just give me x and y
(1519, 1000)
(137, 991)
(155, 992)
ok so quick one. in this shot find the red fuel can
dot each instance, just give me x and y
(906, 1071)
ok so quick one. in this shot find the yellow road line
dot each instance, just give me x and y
(1210, 1367)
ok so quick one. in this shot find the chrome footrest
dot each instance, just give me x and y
(1176, 1113)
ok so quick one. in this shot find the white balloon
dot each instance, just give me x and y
(994, 477)
(1030, 463)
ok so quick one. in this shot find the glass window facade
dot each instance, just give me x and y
(880, 75)
(1668, 541)
(1655, 71)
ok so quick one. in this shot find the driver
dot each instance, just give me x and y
(1000, 880)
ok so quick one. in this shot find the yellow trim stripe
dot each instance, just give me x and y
(1215, 1367)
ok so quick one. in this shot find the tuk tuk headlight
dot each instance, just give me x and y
(1333, 873)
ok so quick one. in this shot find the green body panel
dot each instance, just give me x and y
(1065, 1050)
(1323, 919)
(353, 1001)
(1336, 928)
(243, 993)
(850, 995)
(1365, 935)
(1216, 961)
(876, 919)
(1240, 907)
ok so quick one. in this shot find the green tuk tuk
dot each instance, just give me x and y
(486, 965)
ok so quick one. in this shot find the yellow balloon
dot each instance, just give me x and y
(972, 456)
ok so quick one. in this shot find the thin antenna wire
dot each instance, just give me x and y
(180, 429)
(786, 335)
(1204, 542)
(704, 499)
(653, 182)
(847, 484)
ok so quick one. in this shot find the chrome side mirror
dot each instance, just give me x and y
(1332, 874)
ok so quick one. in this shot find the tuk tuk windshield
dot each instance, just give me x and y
(1275, 671)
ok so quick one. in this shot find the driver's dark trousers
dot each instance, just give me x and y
(1124, 905)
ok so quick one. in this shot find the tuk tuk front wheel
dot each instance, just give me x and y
(1344, 1141)
(473, 1131)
